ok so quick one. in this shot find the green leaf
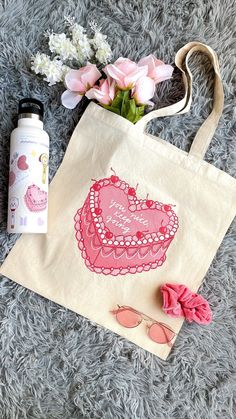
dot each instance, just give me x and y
(126, 107)
(124, 103)
(139, 113)
(111, 109)
(140, 110)
(130, 110)
(117, 101)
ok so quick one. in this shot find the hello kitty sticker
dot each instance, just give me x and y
(118, 233)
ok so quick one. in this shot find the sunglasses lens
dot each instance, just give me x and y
(160, 334)
(128, 318)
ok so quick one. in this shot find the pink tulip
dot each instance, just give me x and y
(143, 91)
(78, 82)
(157, 70)
(125, 72)
(104, 93)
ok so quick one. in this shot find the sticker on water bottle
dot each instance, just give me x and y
(43, 158)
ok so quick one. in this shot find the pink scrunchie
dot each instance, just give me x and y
(178, 300)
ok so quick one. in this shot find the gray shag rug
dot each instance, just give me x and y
(54, 363)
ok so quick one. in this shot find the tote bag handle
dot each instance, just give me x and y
(206, 131)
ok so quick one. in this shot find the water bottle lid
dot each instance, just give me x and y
(30, 108)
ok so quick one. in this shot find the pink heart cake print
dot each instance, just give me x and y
(117, 233)
(35, 199)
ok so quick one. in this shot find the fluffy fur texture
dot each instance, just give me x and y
(54, 363)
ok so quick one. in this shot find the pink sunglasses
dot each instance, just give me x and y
(157, 331)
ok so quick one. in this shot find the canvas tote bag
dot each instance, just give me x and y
(115, 238)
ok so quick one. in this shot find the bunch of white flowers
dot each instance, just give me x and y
(101, 46)
(81, 42)
(54, 70)
(74, 51)
(62, 46)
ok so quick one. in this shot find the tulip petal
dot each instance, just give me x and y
(126, 65)
(70, 99)
(144, 90)
(108, 87)
(132, 78)
(94, 93)
(90, 75)
(162, 72)
(104, 93)
(157, 69)
(114, 72)
(73, 81)
(149, 61)
(112, 91)
(157, 62)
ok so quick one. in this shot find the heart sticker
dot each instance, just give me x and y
(21, 163)
(118, 233)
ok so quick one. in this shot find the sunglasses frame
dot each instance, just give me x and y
(147, 318)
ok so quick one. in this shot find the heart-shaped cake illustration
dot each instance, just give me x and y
(36, 199)
(118, 233)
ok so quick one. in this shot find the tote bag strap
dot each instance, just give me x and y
(206, 131)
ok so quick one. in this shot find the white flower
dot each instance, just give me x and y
(77, 32)
(54, 70)
(62, 46)
(103, 49)
(39, 61)
(81, 43)
(103, 54)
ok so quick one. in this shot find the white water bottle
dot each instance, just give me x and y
(28, 173)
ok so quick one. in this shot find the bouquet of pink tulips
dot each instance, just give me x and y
(126, 90)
